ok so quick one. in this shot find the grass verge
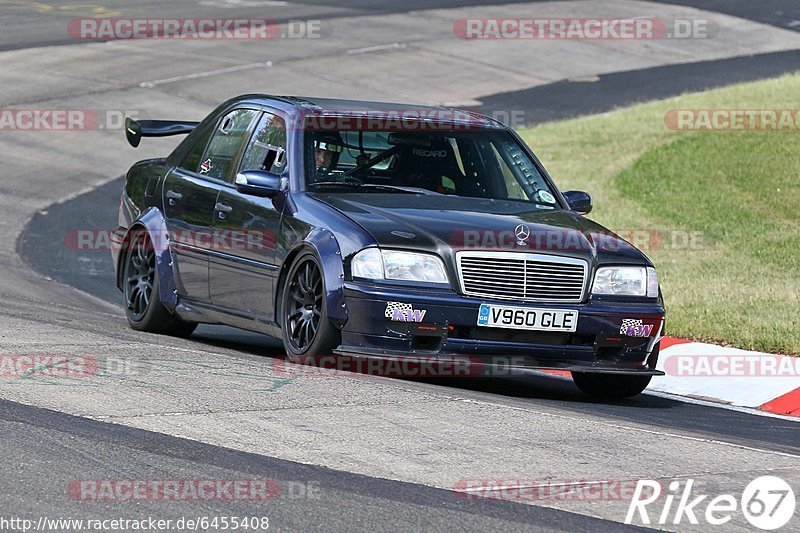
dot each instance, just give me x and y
(724, 204)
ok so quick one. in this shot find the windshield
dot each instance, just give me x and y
(474, 164)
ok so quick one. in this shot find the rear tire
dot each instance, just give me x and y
(610, 386)
(306, 329)
(143, 305)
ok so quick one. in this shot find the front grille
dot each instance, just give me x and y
(522, 276)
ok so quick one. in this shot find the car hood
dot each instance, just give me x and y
(445, 224)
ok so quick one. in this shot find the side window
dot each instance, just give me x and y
(227, 140)
(267, 148)
(193, 159)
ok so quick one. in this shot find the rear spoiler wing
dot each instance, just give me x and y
(135, 130)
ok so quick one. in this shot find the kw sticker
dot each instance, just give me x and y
(633, 327)
(400, 312)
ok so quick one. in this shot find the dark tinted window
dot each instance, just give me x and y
(267, 148)
(470, 163)
(192, 162)
(226, 141)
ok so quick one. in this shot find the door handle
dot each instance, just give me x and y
(173, 196)
(222, 210)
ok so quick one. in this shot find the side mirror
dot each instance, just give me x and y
(258, 183)
(579, 201)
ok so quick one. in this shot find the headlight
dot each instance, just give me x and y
(626, 281)
(372, 263)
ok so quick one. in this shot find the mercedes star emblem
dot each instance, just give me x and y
(522, 232)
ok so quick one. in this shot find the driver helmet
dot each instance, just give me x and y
(327, 149)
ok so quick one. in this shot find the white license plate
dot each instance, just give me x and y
(503, 316)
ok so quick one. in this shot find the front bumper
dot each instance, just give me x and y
(448, 331)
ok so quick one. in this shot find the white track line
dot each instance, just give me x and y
(729, 407)
(206, 74)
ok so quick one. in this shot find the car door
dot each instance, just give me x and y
(242, 277)
(190, 194)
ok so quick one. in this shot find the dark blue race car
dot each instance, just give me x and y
(383, 231)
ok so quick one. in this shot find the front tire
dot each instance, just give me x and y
(143, 305)
(616, 386)
(610, 386)
(306, 329)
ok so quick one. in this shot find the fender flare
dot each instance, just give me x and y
(324, 245)
(152, 220)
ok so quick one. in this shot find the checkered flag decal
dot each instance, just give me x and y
(629, 323)
(391, 306)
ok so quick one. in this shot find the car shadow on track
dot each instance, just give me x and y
(541, 387)
(524, 385)
(239, 340)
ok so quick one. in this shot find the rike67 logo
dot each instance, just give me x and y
(767, 503)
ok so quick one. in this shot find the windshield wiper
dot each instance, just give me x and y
(529, 202)
(401, 188)
(350, 184)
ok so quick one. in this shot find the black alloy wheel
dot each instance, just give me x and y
(143, 305)
(306, 329)
(305, 306)
(140, 276)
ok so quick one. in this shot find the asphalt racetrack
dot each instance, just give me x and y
(350, 452)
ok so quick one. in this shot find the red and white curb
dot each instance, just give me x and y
(727, 376)
(731, 376)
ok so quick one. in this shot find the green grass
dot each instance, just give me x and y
(739, 192)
